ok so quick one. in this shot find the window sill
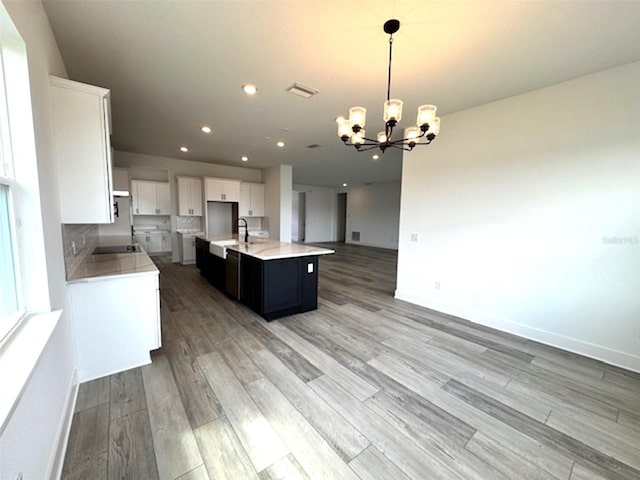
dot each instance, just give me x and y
(19, 356)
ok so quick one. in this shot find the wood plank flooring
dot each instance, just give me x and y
(366, 387)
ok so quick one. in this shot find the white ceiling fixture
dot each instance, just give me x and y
(245, 158)
(428, 125)
(376, 156)
(206, 129)
(301, 90)
(280, 143)
(184, 149)
(344, 184)
(249, 89)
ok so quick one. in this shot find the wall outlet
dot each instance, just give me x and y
(437, 285)
(414, 237)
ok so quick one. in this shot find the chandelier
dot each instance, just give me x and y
(428, 125)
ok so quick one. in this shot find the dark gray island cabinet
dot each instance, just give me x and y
(274, 279)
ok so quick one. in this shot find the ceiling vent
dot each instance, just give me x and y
(302, 90)
(313, 146)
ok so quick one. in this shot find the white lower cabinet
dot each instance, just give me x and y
(116, 323)
(187, 246)
(154, 242)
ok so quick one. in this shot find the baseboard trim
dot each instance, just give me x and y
(574, 345)
(64, 429)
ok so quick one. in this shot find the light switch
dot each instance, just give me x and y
(309, 267)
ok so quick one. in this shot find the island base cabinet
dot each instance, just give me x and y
(116, 323)
(280, 287)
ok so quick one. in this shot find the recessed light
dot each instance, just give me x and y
(376, 157)
(244, 158)
(280, 143)
(344, 184)
(184, 149)
(249, 88)
(206, 129)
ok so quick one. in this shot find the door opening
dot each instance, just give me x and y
(341, 218)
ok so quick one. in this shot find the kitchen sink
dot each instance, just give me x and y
(219, 248)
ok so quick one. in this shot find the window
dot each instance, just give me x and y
(11, 304)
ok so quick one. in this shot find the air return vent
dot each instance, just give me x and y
(355, 236)
(302, 90)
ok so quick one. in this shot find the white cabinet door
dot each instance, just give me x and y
(257, 200)
(184, 196)
(81, 122)
(251, 200)
(196, 197)
(150, 198)
(189, 196)
(163, 199)
(188, 249)
(167, 243)
(231, 191)
(154, 243)
(144, 197)
(221, 190)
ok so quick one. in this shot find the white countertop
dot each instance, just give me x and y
(106, 266)
(266, 249)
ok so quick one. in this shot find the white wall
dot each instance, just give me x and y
(527, 212)
(30, 440)
(320, 213)
(278, 181)
(374, 211)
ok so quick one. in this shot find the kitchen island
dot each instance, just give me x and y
(273, 278)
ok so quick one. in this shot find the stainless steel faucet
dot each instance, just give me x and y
(246, 229)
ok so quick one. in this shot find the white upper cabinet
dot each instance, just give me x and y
(251, 200)
(221, 190)
(81, 129)
(150, 198)
(189, 196)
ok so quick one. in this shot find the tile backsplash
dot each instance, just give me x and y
(189, 223)
(78, 242)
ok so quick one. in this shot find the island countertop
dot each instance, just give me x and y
(267, 249)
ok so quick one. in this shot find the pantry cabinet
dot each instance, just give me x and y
(221, 190)
(189, 196)
(251, 200)
(81, 122)
(150, 198)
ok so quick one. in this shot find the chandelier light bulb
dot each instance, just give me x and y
(392, 110)
(426, 114)
(358, 138)
(357, 116)
(344, 130)
(382, 137)
(412, 135)
(435, 126)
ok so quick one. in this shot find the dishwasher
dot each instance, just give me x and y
(233, 274)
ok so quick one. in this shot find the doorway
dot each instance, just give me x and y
(341, 218)
(298, 216)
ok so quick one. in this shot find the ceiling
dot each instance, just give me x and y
(173, 66)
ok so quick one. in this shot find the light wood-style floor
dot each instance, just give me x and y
(365, 387)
